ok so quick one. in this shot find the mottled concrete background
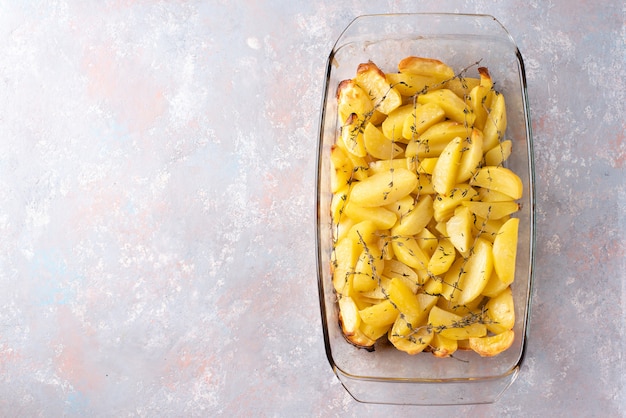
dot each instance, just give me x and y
(157, 173)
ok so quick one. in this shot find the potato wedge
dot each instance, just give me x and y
(404, 299)
(377, 145)
(497, 155)
(494, 286)
(485, 80)
(454, 107)
(373, 332)
(472, 154)
(496, 122)
(409, 252)
(463, 345)
(410, 337)
(433, 286)
(480, 98)
(446, 169)
(352, 136)
(393, 125)
(416, 219)
(420, 119)
(455, 326)
(470, 308)
(459, 228)
(427, 242)
(490, 195)
(367, 270)
(505, 250)
(427, 302)
(381, 166)
(500, 179)
(491, 210)
(360, 166)
(338, 203)
(381, 217)
(442, 258)
(402, 207)
(433, 141)
(501, 312)
(349, 315)
(360, 340)
(377, 117)
(487, 228)
(383, 188)
(372, 80)
(379, 293)
(450, 285)
(477, 271)
(444, 206)
(412, 324)
(352, 99)
(341, 227)
(426, 67)
(443, 347)
(381, 314)
(427, 165)
(477, 99)
(344, 258)
(424, 184)
(396, 269)
(342, 168)
(411, 84)
(364, 233)
(493, 345)
(461, 86)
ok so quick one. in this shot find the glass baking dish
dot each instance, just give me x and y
(387, 375)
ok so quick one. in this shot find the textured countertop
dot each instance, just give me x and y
(157, 189)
